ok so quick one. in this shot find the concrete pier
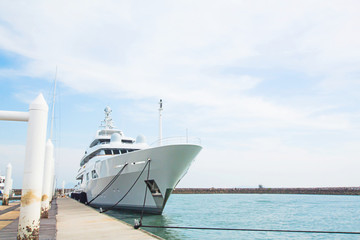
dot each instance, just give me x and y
(78, 221)
(69, 219)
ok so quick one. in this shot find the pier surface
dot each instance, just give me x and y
(69, 219)
(9, 221)
(78, 221)
(8, 214)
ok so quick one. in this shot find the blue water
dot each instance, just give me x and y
(255, 211)
(10, 201)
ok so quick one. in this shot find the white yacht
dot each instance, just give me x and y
(117, 171)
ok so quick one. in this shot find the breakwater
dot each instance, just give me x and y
(319, 191)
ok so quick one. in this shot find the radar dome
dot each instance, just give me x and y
(107, 109)
(115, 137)
(141, 139)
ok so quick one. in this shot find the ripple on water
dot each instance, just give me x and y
(258, 211)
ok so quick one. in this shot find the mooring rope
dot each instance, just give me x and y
(109, 184)
(105, 210)
(251, 230)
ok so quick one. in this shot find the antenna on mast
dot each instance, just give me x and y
(160, 123)
(108, 122)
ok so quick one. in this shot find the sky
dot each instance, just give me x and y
(270, 87)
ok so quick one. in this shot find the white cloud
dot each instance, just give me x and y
(121, 43)
(67, 162)
(208, 60)
(273, 163)
(14, 154)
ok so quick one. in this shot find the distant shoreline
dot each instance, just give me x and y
(312, 191)
(316, 191)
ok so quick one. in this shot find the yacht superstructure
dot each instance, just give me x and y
(116, 167)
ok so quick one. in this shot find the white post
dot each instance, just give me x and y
(63, 189)
(47, 181)
(160, 123)
(7, 187)
(52, 184)
(53, 187)
(29, 219)
(14, 116)
(11, 188)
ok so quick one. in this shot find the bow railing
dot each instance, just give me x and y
(176, 140)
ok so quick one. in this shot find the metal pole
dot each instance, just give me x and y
(160, 123)
(29, 219)
(47, 181)
(7, 187)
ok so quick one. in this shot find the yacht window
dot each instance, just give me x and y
(116, 151)
(103, 141)
(101, 152)
(99, 141)
(123, 151)
(94, 174)
(87, 177)
(131, 150)
(108, 152)
(80, 178)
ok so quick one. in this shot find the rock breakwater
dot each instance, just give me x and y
(320, 191)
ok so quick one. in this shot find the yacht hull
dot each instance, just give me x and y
(168, 164)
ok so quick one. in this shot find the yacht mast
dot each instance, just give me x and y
(53, 106)
(160, 123)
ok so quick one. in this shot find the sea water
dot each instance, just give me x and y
(254, 211)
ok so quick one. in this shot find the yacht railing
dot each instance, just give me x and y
(176, 140)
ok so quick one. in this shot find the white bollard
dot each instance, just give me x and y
(7, 187)
(29, 219)
(47, 180)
